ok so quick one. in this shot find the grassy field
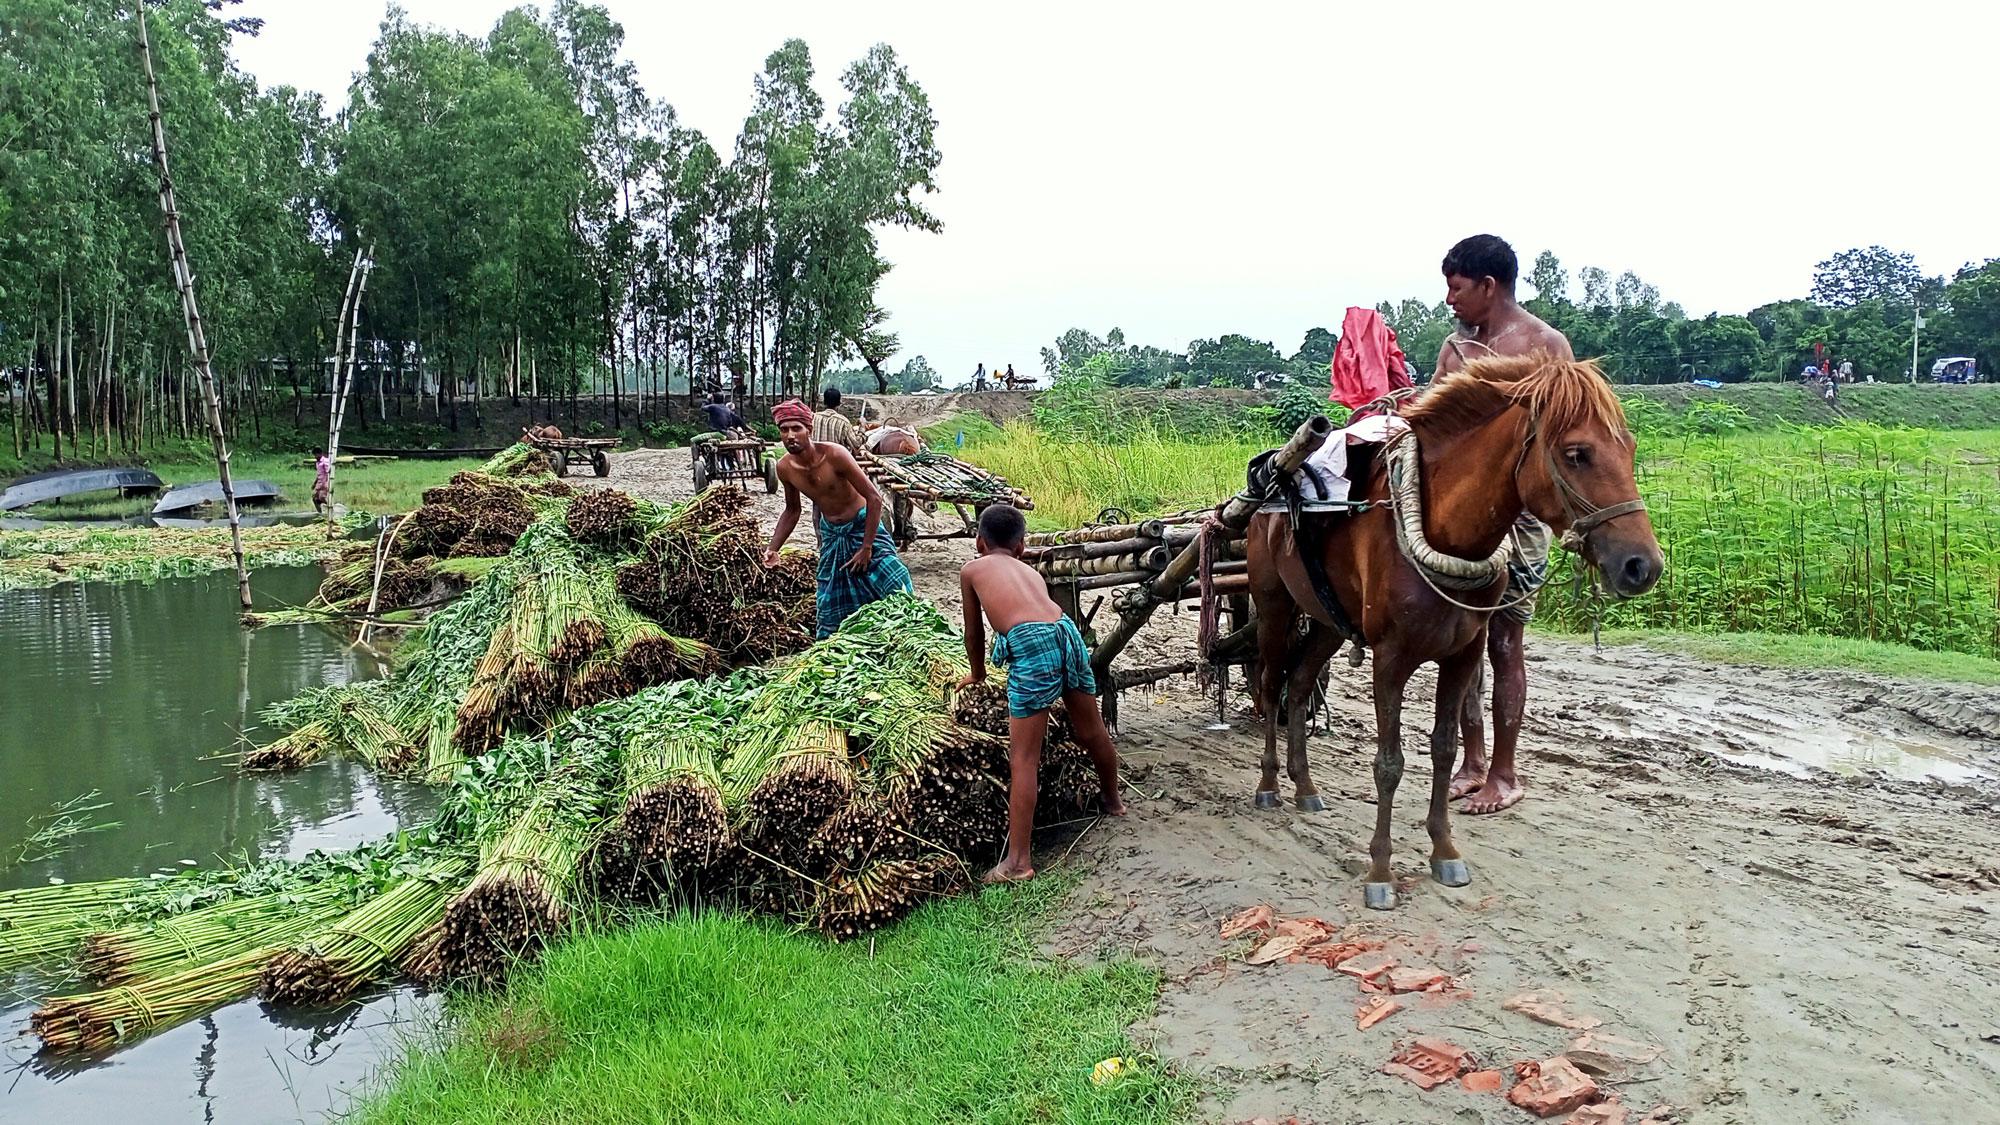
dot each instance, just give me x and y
(363, 486)
(1851, 530)
(949, 1017)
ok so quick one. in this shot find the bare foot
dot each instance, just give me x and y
(1009, 873)
(1111, 804)
(1497, 795)
(1467, 780)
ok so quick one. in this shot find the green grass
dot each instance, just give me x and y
(948, 1017)
(142, 554)
(1777, 650)
(979, 431)
(1071, 482)
(363, 486)
(1848, 531)
(1924, 405)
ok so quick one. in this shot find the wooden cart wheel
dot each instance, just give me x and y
(771, 476)
(902, 522)
(562, 463)
(600, 464)
(700, 470)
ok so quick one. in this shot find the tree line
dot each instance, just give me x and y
(534, 224)
(1861, 309)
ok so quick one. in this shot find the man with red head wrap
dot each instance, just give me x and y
(856, 565)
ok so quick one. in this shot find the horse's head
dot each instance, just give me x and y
(1577, 473)
(1575, 470)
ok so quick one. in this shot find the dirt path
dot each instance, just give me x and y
(1743, 866)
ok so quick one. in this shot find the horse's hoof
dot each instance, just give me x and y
(1267, 799)
(1451, 872)
(1379, 896)
(1309, 802)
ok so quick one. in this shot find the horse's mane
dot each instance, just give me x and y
(1563, 393)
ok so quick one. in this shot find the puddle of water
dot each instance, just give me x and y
(124, 689)
(1797, 738)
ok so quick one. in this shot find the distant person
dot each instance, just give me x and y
(1847, 371)
(979, 378)
(829, 424)
(1010, 375)
(726, 423)
(322, 482)
(1046, 661)
(722, 417)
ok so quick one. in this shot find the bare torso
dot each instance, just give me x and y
(1511, 330)
(1009, 591)
(822, 483)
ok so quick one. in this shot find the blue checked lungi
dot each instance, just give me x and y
(1527, 567)
(841, 592)
(1043, 660)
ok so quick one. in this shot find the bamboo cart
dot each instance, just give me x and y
(930, 478)
(1137, 567)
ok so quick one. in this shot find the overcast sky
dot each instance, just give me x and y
(1256, 168)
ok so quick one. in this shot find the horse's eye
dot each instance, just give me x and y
(1577, 456)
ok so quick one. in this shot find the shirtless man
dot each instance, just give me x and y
(1479, 276)
(856, 566)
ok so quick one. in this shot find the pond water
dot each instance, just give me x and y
(135, 696)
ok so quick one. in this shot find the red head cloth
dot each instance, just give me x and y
(792, 410)
(1367, 363)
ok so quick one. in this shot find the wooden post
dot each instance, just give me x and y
(343, 381)
(191, 312)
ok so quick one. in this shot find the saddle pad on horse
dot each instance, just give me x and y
(1322, 482)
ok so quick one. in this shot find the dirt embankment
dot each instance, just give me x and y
(1743, 867)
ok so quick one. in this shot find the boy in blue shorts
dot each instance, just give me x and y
(1046, 660)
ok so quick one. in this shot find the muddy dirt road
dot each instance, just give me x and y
(1787, 881)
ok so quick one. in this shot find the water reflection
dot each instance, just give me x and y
(141, 692)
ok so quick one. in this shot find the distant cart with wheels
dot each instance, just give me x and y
(929, 479)
(567, 451)
(741, 459)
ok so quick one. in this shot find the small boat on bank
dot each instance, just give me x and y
(189, 496)
(60, 484)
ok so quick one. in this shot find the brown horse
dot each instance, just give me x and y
(1505, 435)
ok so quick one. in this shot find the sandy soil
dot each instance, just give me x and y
(1785, 880)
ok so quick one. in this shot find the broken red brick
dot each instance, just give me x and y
(1552, 1086)
(1309, 931)
(1603, 1113)
(1372, 1012)
(1258, 918)
(1334, 954)
(1547, 1007)
(1416, 978)
(1367, 966)
(1484, 1081)
(1429, 1062)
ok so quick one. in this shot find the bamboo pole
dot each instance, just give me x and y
(191, 312)
(344, 380)
(1235, 514)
